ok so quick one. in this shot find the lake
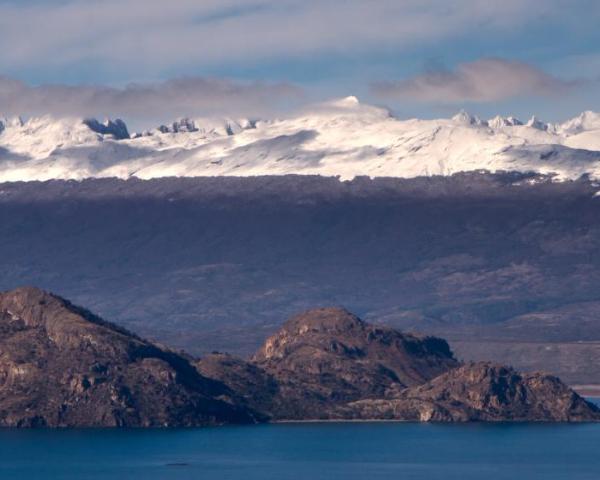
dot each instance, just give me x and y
(307, 451)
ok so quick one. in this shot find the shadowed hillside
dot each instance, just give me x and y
(504, 266)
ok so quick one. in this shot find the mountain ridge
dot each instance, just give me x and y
(327, 364)
(342, 138)
(62, 366)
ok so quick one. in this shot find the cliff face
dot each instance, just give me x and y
(61, 366)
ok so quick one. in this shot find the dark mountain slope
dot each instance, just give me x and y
(61, 366)
(215, 263)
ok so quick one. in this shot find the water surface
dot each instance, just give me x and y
(307, 451)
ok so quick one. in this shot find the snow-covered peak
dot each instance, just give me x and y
(535, 123)
(183, 125)
(466, 118)
(233, 127)
(499, 122)
(350, 102)
(42, 136)
(342, 137)
(10, 122)
(347, 107)
(587, 120)
(206, 126)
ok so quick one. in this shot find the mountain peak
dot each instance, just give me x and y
(12, 122)
(183, 125)
(349, 101)
(345, 103)
(329, 339)
(341, 138)
(499, 122)
(117, 128)
(329, 319)
(535, 123)
(465, 118)
(587, 120)
(54, 353)
(25, 297)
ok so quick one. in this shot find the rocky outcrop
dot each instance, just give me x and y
(329, 364)
(117, 128)
(180, 126)
(329, 356)
(480, 392)
(61, 366)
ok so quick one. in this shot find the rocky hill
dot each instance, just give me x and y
(329, 364)
(61, 366)
(326, 357)
(480, 392)
(329, 356)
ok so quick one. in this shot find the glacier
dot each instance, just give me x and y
(342, 138)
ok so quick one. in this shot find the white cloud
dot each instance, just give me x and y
(483, 80)
(173, 98)
(147, 36)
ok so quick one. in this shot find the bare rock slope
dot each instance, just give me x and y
(62, 366)
(480, 392)
(329, 364)
(328, 356)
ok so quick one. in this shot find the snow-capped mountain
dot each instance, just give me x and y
(339, 138)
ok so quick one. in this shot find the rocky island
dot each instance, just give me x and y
(62, 366)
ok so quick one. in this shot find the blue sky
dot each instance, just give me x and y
(435, 57)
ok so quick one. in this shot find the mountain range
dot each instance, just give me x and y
(281, 216)
(341, 138)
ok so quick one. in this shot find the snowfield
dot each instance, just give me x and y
(339, 138)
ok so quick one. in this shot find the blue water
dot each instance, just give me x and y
(307, 451)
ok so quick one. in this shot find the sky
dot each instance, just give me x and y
(145, 60)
